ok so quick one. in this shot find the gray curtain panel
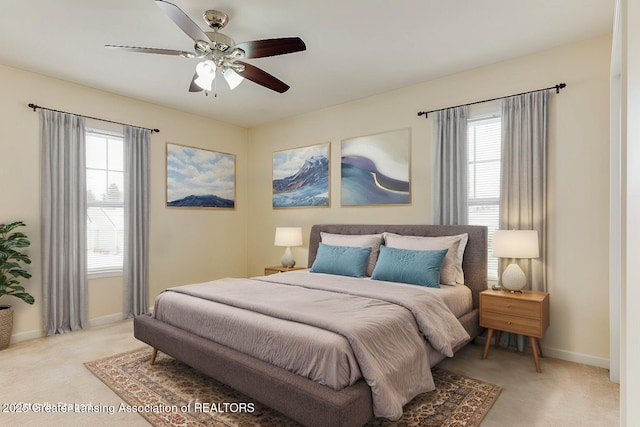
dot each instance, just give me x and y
(136, 221)
(450, 172)
(64, 222)
(523, 191)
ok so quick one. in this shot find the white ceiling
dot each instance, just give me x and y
(355, 48)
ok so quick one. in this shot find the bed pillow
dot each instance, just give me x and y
(452, 272)
(409, 266)
(372, 241)
(341, 260)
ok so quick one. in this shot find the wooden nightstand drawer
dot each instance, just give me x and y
(514, 307)
(525, 313)
(519, 325)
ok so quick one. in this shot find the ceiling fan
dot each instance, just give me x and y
(219, 52)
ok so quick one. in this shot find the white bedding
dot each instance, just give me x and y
(328, 358)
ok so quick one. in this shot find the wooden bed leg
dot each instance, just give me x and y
(154, 353)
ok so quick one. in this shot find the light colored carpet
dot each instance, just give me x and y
(171, 394)
(52, 370)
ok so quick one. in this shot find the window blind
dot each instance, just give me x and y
(105, 202)
(484, 179)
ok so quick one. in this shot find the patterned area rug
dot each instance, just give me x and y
(171, 394)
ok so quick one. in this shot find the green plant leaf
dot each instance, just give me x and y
(16, 235)
(25, 297)
(17, 243)
(17, 256)
(11, 260)
(6, 228)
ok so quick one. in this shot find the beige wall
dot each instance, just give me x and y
(578, 176)
(186, 245)
(196, 245)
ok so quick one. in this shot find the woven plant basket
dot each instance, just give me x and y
(6, 326)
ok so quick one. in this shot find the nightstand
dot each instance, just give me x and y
(525, 313)
(280, 269)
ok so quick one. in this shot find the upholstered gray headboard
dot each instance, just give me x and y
(474, 262)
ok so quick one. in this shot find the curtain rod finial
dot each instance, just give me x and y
(560, 86)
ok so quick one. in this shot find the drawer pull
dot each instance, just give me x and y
(509, 322)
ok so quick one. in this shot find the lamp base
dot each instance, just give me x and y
(513, 278)
(287, 259)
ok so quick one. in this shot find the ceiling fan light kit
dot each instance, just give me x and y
(219, 52)
(206, 71)
(232, 78)
(206, 74)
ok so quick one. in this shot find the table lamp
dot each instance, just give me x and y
(288, 236)
(515, 244)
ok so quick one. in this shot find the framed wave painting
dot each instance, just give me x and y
(375, 169)
(301, 177)
(198, 178)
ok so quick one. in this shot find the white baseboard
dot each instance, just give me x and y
(104, 320)
(572, 356)
(569, 356)
(97, 321)
(24, 336)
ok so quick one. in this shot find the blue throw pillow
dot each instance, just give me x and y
(409, 266)
(341, 260)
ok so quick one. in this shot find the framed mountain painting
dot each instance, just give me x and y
(301, 177)
(198, 178)
(375, 169)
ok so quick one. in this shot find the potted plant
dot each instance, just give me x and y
(11, 268)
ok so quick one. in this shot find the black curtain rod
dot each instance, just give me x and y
(556, 87)
(35, 107)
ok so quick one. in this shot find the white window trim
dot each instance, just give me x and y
(105, 272)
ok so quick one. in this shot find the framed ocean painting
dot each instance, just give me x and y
(375, 169)
(301, 177)
(198, 178)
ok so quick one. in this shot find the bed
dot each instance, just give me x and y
(347, 397)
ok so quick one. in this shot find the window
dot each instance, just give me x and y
(105, 202)
(484, 179)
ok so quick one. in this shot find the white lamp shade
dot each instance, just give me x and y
(516, 244)
(206, 71)
(232, 78)
(288, 236)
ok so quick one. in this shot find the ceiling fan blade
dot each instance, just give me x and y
(262, 78)
(182, 20)
(151, 50)
(271, 47)
(193, 87)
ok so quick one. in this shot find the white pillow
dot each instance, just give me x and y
(451, 272)
(356, 241)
